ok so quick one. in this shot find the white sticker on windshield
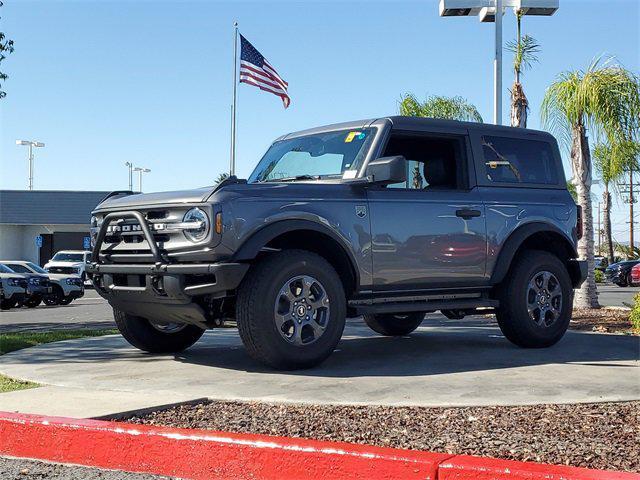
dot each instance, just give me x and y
(349, 174)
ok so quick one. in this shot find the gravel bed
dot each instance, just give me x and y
(603, 436)
(19, 469)
(602, 320)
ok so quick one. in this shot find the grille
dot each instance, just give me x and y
(67, 270)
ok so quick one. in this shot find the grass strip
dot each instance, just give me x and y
(9, 384)
(12, 341)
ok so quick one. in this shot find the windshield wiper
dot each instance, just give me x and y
(293, 179)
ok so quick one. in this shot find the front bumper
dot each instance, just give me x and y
(614, 276)
(33, 290)
(165, 292)
(578, 270)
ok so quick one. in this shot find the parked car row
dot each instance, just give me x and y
(26, 284)
(621, 273)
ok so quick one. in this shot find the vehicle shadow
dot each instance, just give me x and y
(464, 346)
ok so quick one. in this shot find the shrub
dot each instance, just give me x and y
(635, 314)
(599, 275)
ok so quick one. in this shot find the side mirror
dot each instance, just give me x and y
(387, 170)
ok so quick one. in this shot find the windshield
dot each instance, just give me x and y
(336, 154)
(36, 268)
(67, 257)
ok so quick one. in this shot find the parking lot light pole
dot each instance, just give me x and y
(130, 167)
(492, 11)
(30, 144)
(140, 171)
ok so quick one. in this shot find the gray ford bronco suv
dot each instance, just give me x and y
(387, 218)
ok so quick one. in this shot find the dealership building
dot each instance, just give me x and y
(35, 224)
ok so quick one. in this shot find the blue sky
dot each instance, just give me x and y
(104, 82)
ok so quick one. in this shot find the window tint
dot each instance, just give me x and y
(513, 160)
(433, 163)
(18, 268)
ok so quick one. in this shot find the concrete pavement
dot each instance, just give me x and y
(444, 363)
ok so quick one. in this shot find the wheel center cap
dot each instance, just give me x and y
(301, 310)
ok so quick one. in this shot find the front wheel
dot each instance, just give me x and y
(536, 300)
(156, 337)
(291, 310)
(7, 304)
(66, 300)
(394, 324)
(33, 302)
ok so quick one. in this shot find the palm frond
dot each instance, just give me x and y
(435, 106)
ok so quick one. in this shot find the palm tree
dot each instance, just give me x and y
(524, 51)
(606, 99)
(435, 106)
(221, 178)
(611, 163)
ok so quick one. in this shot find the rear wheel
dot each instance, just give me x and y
(155, 337)
(394, 324)
(536, 301)
(291, 310)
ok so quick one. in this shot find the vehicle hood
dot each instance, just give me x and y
(197, 195)
(63, 264)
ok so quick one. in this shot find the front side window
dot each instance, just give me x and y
(514, 160)
(323, 155)
(433, 162)
(19, 268)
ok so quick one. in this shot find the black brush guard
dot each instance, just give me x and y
(165, 295)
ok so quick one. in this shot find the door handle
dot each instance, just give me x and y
(467, 213)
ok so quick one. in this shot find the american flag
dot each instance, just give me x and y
(256, 71)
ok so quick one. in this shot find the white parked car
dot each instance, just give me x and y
(65, 288)
(13, 288)
(71, 262)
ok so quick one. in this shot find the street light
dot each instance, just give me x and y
(30, 144)
(130, 167)
(140, 171)
(486, 12)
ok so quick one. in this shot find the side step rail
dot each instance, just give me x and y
(425, 306)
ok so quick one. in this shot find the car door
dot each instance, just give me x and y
(430, 231)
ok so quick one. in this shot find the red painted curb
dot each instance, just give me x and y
(466, 467)
(200, 454)
(204, 454)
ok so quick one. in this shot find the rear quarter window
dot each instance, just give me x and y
(518, 161)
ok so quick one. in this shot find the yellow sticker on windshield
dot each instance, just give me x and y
(350, 137)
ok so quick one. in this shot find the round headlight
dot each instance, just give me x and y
(199, 232)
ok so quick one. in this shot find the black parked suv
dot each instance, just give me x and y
(387, 218)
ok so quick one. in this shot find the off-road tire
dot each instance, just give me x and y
(255, 310)
(394, 325)
(142, 335)
(512, 315)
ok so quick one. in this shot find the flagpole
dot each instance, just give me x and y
(232, 160)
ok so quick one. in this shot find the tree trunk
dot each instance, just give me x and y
(608, 237)
(519, 106)
(587, 295)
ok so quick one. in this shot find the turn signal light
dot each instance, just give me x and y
(219, 222)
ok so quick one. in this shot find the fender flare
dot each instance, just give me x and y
(256, 241)
(515, 241)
